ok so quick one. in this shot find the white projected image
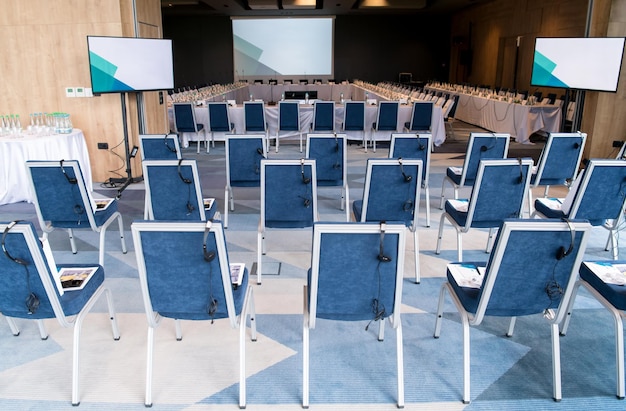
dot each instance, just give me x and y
(287, 46)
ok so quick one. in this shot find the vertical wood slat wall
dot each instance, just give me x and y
(44, 50)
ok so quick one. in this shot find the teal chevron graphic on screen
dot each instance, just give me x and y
(543, 68)
(103, 74)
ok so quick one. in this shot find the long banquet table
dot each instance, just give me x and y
(518, 120)
(306, 118)
(15, 150)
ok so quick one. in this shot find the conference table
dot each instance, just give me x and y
(15, 150)
(236, 114)
(501, 116)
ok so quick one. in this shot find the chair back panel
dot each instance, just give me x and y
(412, 146)
(243, 160)
(159, 147)
(328, 153)
(354, 116)
(499, 192)
(15, 278)
(387, 116)
(602, 191)
(422, 115)
(254, 116)
(60, 201)
(516, 280)
(483, 147)
(560, 158)
(171, 197)
(324, 116)
(219, 119)
(179, 280)
(289, 116)
(184, 117)
(387, 194)
(284, 193)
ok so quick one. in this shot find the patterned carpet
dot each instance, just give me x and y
(350, 369)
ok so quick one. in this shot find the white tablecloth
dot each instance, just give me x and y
(306, 118)
(519, 120)
(15, 151)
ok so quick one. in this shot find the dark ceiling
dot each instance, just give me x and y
(312, 7)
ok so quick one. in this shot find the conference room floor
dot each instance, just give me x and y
(351, 370)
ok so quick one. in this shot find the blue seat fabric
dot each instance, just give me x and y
(285, 208)
(615, 294)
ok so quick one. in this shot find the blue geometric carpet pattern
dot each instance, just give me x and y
(350, 368)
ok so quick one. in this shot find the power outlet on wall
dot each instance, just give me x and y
(103, 146)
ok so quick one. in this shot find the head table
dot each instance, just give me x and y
(15, 150)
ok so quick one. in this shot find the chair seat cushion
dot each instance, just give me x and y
(615, 294)
(453, 174)
(468, 296)
(73, 301)
(551, 208)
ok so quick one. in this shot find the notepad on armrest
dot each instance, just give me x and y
(236, 273)
(456, 170)
(75, 278)
(608, 272)
(102, 204)
(467, 275)
(552, 203)
(459, 205)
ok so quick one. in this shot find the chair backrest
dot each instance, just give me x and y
(552, 98)
(498, 192)
(354, 116)
(421, 116)
(482, 146)
(452, 110)
(356, 271)
(413, 146)
(183, 266)
(185, 118)
(288, 116)
(329, 152)
(288, 193)
(518, 282)
(25, 271)
(173, 190)
(601, 192)
(219, 117)
(324, 116)
(390, 192)
(254, 116)
(387, 116)
(560, 159)
(243, 160)
(159, 147)
(61, 196)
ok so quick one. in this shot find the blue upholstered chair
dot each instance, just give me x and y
(185, 122)
(159, 147)
(184, 275)
(421, 117)
(598, 195)
(559, 162)
(254, 118)
(354, 118)
(288, 199)
(243, 166)
(417, 146)
(288, 120)
(323, 117)
(345, 283)
(219, 120)
(516, 282)
(605, 283)
(391, 194)
(173, 191)
(330, 154)
(62, 200)
(498, 194)
(449, 111)
(386, 120)
(29, 291)
(481, 146)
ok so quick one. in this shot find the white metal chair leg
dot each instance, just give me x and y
(416, 254)
(305, 352)
(70, 232)
(427, 198)
(459, 246)
(149, 359)
(466, 359)
(556, 363)
(440, 234)
(400, 360)
(42, 330)
(179, 329)
(14, 329)
(260, 252)
(509, 332)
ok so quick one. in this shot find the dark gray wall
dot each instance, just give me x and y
(370, 48)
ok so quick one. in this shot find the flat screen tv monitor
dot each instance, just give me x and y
(589, 63)
(283, 47)
(127, 64)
